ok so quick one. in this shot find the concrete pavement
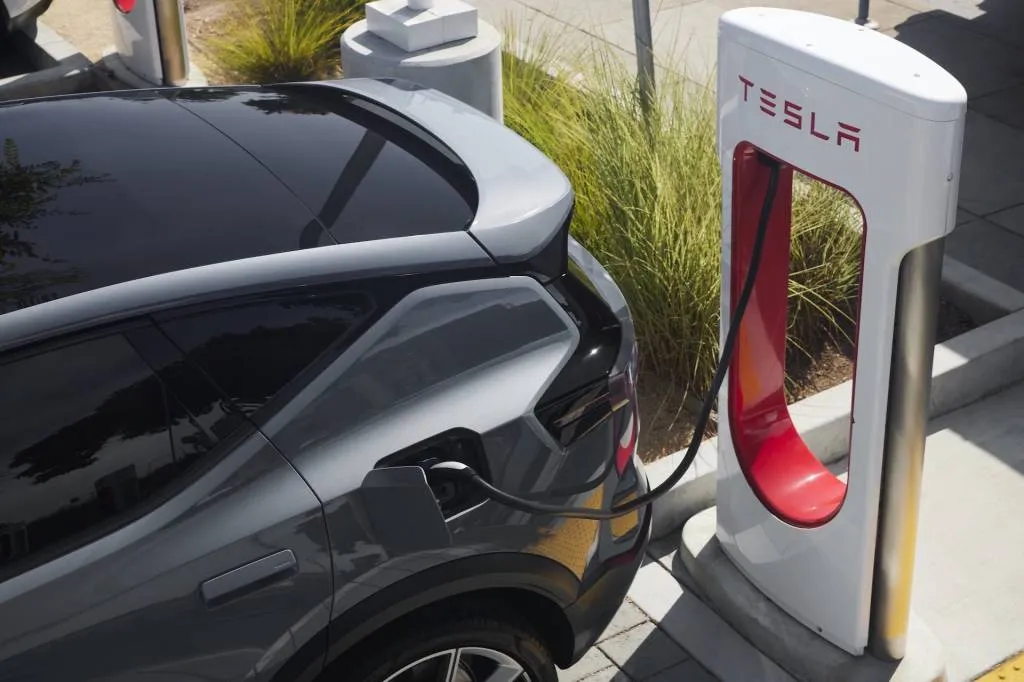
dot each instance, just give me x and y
(969, 572)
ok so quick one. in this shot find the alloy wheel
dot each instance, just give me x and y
(465, 664)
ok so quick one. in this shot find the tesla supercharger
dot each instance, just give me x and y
(862, 112)
(151, 41)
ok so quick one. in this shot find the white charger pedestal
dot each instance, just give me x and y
(439, 44)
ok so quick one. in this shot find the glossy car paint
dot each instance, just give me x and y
(204, 584)
(128, 605)
(524, 198)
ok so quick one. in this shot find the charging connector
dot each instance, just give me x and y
(461, 471)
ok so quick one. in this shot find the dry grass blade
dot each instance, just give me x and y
(273, 41)
(649, 204)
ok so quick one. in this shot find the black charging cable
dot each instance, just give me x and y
(463, 472)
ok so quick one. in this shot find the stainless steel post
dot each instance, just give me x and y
(644, 51)
(170, 26)
(917, 303)
(863, 14)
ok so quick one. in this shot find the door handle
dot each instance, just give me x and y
(251, 576)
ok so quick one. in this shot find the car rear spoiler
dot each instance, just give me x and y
(525, 201)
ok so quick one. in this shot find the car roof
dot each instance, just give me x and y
(106, 188)
(161, 246)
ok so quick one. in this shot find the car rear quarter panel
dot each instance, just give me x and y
(473, 355)
(128, 606)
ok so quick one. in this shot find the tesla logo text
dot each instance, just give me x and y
(795, 116)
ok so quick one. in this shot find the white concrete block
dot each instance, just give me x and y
(403, 27)
(459, 19)
(412, 30)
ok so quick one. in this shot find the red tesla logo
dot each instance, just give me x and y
(795, 116)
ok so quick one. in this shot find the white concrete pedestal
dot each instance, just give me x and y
(802, 653)
(468, 70)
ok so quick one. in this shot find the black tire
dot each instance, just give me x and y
(442, 630)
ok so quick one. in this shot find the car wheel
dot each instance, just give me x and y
(457, 647)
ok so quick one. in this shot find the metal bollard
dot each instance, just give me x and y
(151, 43)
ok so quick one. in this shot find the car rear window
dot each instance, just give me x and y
(365, 172)
(106, 188)
(253, 350)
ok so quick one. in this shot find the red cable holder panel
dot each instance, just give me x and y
(779, 467)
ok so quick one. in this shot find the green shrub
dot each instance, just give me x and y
(649, 204)
(272, 41)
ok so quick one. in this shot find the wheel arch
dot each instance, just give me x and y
(537, 588)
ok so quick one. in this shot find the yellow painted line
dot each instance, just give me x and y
(1010, 671)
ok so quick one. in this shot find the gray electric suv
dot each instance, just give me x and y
(238, 328)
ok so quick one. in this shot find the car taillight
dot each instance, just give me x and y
(124, 6)
(622, 396)
(627, 441)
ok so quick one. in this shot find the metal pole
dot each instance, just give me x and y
(170, 26)
(863, 14)
(644, 51)
(917, 303)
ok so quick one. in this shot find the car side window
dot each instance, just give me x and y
(254, 350)
(89, 435)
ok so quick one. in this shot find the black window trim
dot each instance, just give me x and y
(304, 377)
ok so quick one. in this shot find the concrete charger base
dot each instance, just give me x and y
(780, 637)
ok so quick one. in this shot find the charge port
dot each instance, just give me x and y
(452, 446)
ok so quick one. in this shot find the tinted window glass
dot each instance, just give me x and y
(201, 401)
(252, 351)
(86, 203)
(366, 173)
(87, 434)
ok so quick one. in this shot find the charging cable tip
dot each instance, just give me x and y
(452, 467)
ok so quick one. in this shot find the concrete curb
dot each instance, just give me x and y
(964, 369)
(980, 296)
(60, 69)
